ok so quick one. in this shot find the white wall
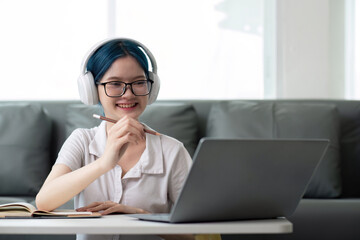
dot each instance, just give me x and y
(309, 63)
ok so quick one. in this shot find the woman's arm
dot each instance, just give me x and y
(62, 184)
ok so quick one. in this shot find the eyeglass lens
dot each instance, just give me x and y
(138, 88)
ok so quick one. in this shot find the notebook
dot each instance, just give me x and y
(238, 179)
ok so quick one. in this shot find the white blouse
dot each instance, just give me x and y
(153, 184)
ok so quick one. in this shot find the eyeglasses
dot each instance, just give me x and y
(117, 88)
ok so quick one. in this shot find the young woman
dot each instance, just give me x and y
(118, 167)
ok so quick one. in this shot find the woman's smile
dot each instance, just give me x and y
(126, 106)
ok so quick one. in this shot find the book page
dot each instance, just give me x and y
(17, 206)
(23, 209)
(63, 212)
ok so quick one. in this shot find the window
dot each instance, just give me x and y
(356, 63)
(357, 48)
(352, 62)
(204, 49)
(43, 43)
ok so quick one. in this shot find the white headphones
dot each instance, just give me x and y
(86, 84)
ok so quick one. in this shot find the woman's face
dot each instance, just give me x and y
(124, 69)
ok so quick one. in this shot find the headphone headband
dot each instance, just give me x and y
(101, 43)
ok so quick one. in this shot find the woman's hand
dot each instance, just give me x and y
(110, 207)
(126, 131)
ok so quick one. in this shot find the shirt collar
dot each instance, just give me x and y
(150, 162)
(97, 145)
(152, 159)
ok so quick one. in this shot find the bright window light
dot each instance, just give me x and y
(357, 48)
(43, 43)
(352, 49)
(204, 49)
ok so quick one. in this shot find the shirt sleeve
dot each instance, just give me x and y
(179, 171)
(73, 150)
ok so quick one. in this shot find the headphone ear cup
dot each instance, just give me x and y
(155, 87)
(87, 89)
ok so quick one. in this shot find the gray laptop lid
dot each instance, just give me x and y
(235, 179)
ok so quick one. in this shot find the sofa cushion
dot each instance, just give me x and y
(81, 116)
(24, 148)
(9, 199)
(248, 119)
(349, 112)
(178, 120)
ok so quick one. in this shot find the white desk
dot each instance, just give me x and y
(122, 224)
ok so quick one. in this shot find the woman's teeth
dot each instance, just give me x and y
(126, 105)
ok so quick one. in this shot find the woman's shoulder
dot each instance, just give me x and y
(171, 146)
(170, 141)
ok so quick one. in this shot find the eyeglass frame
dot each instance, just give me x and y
(125, 87)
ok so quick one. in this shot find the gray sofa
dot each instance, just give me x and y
(31, 134)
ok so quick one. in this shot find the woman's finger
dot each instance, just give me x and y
(117, 208)
(91, 205)
(129, 124)
(102, 207)
(120, 208)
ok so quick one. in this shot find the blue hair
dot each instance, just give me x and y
(104, 57)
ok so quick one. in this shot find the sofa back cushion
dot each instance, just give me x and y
(350, 147)
(178, 120)
(25, 131)
(247, 119)
(81, 116)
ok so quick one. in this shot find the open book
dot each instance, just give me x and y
(27, 210)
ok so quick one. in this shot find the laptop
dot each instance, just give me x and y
(238, 179)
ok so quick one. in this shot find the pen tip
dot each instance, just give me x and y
(96, 116)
